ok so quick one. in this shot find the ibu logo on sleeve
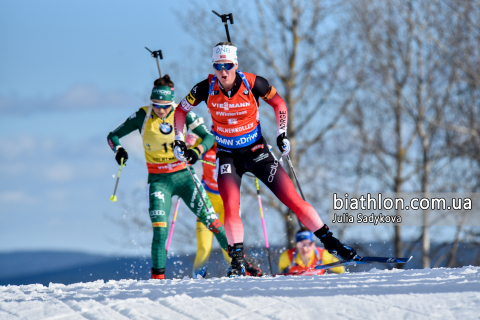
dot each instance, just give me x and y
(225, 168)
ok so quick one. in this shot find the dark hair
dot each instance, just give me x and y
(225, 44)
(302, 229)
(164, 81)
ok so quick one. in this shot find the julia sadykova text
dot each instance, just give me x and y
(367, 219)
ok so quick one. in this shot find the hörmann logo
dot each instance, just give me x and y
(228, 106)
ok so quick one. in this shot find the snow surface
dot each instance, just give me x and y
(378, 294)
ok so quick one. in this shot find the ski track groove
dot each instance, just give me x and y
(283, 302)
(91, 313)
(66, 304)
(11, 315)
(177, 311)
(248, 311)
(8, 312)
(427, 316)
(127, 312)
(251, 300)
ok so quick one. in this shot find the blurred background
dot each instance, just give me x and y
(382, 97)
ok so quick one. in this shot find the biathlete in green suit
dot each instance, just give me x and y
(167, 176)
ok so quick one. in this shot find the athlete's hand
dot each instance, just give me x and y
(121, 153)
(180, 150)
(283, 144)
(192, 155)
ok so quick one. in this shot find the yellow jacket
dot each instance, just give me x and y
(291, 262)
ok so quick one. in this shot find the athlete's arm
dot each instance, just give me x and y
(327, 258)
(198, 94)
(197, 126)
(134, 122)
(269, 94)
(284, 262)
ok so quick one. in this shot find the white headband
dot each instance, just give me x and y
(224, 52)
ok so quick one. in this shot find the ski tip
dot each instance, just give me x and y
(113, 198)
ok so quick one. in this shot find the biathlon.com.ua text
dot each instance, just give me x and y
(413, 209)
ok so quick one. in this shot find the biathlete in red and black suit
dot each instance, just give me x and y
(232, 99)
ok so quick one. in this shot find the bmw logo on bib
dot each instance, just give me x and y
(166, 128)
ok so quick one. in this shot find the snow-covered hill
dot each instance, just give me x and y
(377, 294)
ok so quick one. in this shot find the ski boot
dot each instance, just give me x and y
(238, 266)
(251, 270)
(333, 245)
(158, 273)
(200, 273)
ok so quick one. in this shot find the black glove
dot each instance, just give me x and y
(192, 155)
(121, 153)
(283, 144)
(180, 150)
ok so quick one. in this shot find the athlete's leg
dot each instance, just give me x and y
(229, 178)
(217, 203)
(204, 248)
(186, 190)
(159, 194)
(272, 174)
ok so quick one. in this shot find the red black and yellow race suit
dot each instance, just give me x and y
(241, 147)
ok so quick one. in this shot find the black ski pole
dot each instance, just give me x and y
(263, 224)
(295, 175)
(157, 54)
(225, 19)
(207, 209)
(298, 184)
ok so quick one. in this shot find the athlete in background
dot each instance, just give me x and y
(166, 175)
(305, 256)
(232, 99)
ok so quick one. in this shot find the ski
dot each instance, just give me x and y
(309, 272)
(363, 260)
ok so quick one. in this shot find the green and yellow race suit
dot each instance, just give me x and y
(167, 176)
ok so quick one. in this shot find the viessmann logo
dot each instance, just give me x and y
(228, 106)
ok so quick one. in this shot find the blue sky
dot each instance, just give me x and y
(71, 71)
